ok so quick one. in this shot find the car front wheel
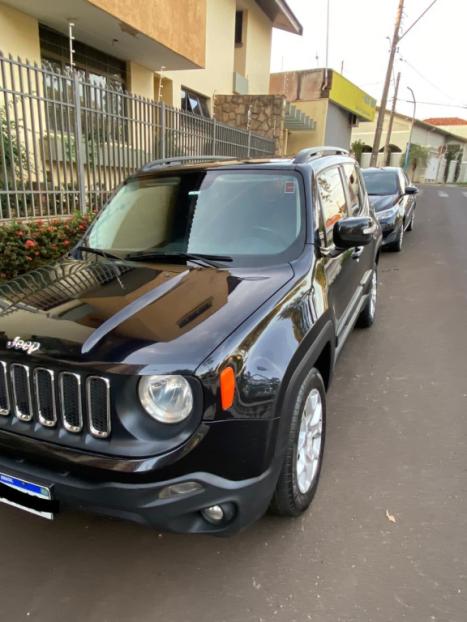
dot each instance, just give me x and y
(300, 472)
(396, 246)
(367, 314)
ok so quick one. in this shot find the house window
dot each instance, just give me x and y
(96, 66)
(195, 103)
(238, 27)
(102, 84)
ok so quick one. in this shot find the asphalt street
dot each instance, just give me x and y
(386, 537)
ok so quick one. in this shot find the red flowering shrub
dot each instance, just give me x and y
(28, 245)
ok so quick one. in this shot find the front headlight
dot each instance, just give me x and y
(169, 399)
(388, 213)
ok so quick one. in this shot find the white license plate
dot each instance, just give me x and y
(22, 494)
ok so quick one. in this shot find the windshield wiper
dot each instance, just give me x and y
(210, 260)
(96, 251)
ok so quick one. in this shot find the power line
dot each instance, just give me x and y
(417, 20)
(396, 39)
(432, 84)
(435, 104)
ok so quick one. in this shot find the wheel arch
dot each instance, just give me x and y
(317, 350)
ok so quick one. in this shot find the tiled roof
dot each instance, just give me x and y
(446, 121)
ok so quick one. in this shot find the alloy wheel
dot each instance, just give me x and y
(309, 441)
(373, 293)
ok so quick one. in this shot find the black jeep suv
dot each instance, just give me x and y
(172, 370)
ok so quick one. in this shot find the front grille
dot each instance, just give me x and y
(44, 388)
(70, 398)
(21, 391)
(56, 400)
(98, 402)
(4, 392)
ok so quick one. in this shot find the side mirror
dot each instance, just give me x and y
(353, 231)
(411, 190)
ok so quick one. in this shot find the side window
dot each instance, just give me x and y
(333, 202)
(355, 190)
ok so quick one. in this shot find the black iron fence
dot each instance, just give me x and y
(66, 143)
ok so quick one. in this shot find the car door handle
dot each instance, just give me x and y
(357, 252)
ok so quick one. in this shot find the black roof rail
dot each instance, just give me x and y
(316, 152)
(181, 159)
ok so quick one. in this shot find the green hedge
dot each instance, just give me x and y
(28, 245)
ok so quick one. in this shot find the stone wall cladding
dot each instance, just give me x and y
(261, 114)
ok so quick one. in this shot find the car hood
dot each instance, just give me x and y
(380, 202)
(169, 317)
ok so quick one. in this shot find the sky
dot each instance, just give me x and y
(432, 58)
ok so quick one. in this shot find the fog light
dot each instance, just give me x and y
(213, 514)
(175, 490)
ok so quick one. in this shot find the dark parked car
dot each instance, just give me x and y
(173, 369)
(393, 199)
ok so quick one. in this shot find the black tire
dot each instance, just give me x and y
(288, 500)
(412, 220)
(367, 314)
(396, 246)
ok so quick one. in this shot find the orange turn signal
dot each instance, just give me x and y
(227, 382)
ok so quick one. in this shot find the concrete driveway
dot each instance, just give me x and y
(386, 537)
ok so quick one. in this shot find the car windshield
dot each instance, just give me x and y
(381, 182)
(249, 216)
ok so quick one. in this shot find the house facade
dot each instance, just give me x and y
(145, 78)
(183, 52)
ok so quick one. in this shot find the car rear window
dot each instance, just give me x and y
(381, 182)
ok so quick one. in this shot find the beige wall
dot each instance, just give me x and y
(220, 48)
(178, 24)
(19, 34)
(258, 51)
(317, 110)
(217, 77)
(459, 130)
(140, 80)
(399, 135)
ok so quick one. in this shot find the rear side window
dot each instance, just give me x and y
(354, 189)
(333, 201)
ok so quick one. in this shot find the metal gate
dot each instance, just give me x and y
(66, 143)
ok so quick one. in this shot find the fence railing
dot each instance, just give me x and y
(66, 143)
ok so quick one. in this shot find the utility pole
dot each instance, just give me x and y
(326, 69)
(384, 97)
(409, 144)
(391, 120)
